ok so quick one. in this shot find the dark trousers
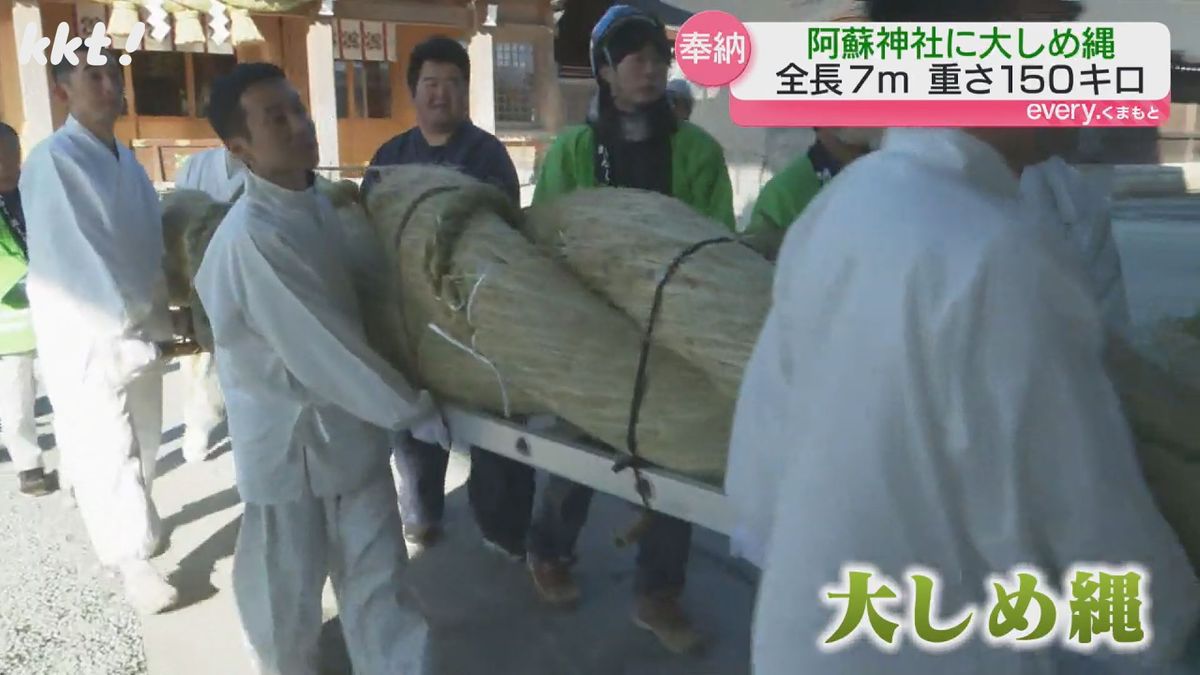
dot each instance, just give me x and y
(662, 549)
(500, 490)
(501, 493)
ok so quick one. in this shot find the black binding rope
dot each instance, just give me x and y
(413, 352)
(634, 460)
(412, 209)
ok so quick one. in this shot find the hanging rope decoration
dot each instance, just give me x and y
(228, 20)
(156, 16)
(218, 22)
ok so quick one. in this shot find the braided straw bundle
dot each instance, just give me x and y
(714, 305)
(1160, 390)
(469, 279)
(545, 314)
(190, 217)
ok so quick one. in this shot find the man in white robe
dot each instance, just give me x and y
(311, 406)
(219, 174)
(98, 297)
(929, 391)
(214, 171)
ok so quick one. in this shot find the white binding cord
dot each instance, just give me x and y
(481, 358)
(470, 297)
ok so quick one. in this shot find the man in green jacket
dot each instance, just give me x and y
(18, 391)
(786, 195)
(632, 138)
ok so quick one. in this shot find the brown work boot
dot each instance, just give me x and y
(553, 582)
(662, 615)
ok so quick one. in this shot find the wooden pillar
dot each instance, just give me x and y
(10, 93)
(550, 105)
(322, 89)
(34, 78)
(483, 90)
(292, 49)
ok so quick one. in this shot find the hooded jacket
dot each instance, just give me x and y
(697, 174)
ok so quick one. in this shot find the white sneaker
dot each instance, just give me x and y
(145, 588)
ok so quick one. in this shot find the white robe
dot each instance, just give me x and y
(309, 403)
(221, 176)
(214, 171)
(1079, 207)
(301, 381)
(928, 389)
(98, 300)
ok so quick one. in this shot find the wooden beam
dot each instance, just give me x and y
(524, 32)
(352, 111)
(130, 98)
(189, 72)
(404, 12)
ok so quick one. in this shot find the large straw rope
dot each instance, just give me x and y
(469, 276)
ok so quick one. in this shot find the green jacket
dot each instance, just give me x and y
(699, 177)
(785, 196)
(16, 325)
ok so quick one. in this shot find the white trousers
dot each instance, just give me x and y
(108, 441)
(205, 406)
(284, 554)
(18, 424)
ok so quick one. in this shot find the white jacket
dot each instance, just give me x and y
(96, 285)
(308, 399)
(928, 390)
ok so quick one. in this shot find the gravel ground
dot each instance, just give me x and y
(60, 612)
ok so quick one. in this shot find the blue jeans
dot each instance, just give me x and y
(499, 489)
(501, 493)
(662, 549)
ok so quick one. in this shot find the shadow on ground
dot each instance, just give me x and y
(193, 576)
(218, 442)
(214, 503)
(486, 619)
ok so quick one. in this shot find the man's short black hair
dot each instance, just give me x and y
(225, 112)
(8, 132)
(63, 69)
(939, 10)
(439, 49)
